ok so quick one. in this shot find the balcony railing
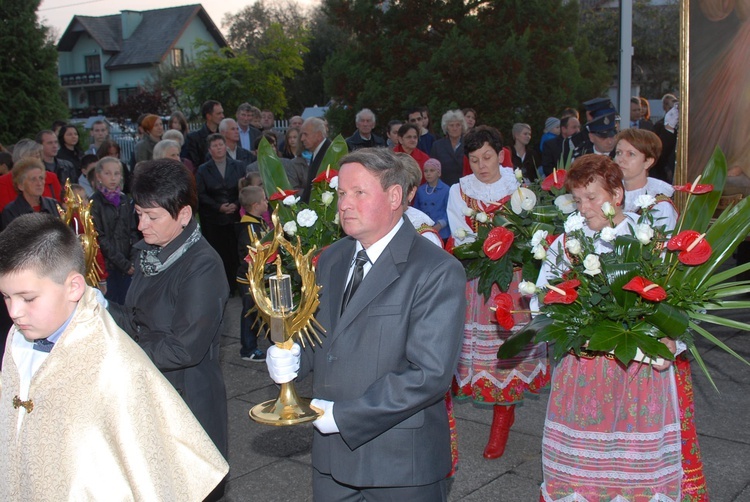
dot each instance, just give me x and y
(80, 79)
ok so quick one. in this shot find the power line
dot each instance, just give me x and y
(70, 5)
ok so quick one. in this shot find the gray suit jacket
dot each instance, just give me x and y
(387, 362)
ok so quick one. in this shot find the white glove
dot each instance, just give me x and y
(672, 118)
(326, 424)
(283, 364)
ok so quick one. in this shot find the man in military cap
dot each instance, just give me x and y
(595, 108)
(601, 137)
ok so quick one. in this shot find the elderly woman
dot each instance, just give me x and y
(152, 132)
(597, 442)
(480, 376)
(408, 139)
(524, 156)
(218, 195)
(175, 303)
(450, 150)
(28, 178)
(167, 149)
(636, 152)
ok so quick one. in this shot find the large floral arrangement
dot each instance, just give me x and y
(653, 285)
(315, 223)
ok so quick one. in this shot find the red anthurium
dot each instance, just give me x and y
(326, 175)
(556, 179)
(694, 188)
(551, 238)
(498, 243)
(694, 248)
(565, 292)
(503, 306)
(450, 244)
(647, 289)
(282, 194)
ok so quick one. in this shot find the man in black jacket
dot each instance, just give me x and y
(363, 137)
(197, 148)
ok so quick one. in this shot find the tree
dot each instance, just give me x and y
(236, 78)
(512, 60)
(247, 30)
(656, 42)
(30, 92)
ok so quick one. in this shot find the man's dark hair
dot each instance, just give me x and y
(88, 159)
(413, 109)
(164, 183)
(475, 139)
(40, 135)
(41, 243)
(208, 107)
(564, 121)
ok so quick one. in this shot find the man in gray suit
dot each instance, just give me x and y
(392, 304)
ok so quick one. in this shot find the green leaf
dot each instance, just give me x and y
(729, 305)
(671, 320)
(518, 340)
(703, 367)
(334, 153)
(727, 274)
(711, 338)
(545, 214)
(618, 275)
(721, 321)
(700, 208)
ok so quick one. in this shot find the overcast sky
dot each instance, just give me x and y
(59, 13)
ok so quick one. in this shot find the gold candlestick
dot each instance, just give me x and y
(285, 322)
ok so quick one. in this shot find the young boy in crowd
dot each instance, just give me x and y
(84, 414)
(432, 197)
(250, 227)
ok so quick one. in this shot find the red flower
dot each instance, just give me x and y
(551, 238)
(497, 243)
(282, 194)
(503, 306)
(694, 188)
(564, 292)
(326, 176)
(450, 244)
(694, 248)
(556, 179)
(647, 289)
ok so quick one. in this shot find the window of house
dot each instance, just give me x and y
(177, 57)
(93, 64)
(124, 93)
(98, 98)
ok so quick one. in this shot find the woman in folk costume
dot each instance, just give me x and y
(612, 432)
(635, 153)
(480, 376)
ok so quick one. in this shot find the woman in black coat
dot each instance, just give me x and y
(175, 303)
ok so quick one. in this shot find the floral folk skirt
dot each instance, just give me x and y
(611, 433)
(480, 375)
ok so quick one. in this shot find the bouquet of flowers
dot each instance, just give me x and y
(316, 223)
(651, 286)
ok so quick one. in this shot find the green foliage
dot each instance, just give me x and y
(30, 92)
(233, 79)
(513, 61)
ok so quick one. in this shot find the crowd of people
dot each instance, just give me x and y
(382, 378)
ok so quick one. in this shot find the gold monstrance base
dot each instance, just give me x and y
(287, 409)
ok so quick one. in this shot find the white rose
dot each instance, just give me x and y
(608, 210)
(574, 222)
(539, 252)
(307, 218)
(522, 199)
(526, 288)
(326, 198)
(461, 234)
(573, 246)
(592, 265)
(538, 237)
(519, 174)
(336, 219)
(644, 233)
(469, 212)
(290, 228)
(608, 234)
(334, 183)
(482, 217)
(645, 201)
(565, 203)
(290, 200)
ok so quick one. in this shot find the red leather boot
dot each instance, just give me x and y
(502, 419)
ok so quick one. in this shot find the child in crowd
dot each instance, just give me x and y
(432, 197)
(114, 219)
(250, 227)
(84, 413)
(88, 163)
